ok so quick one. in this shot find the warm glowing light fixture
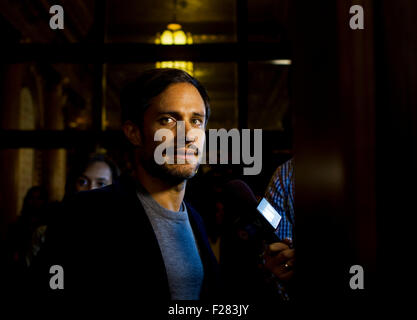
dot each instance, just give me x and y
(282, 62)
(187, 66)
(175, 35)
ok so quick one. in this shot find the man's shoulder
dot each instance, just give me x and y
(122, 188)
(107, 209)
(101, 203)
(105, 192)
(196, 220)
(97, 198)
(192, 211)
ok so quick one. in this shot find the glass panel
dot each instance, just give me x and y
(117, 75)
(77, 94)
(218, 78)
(51, 97)
(268, 21)
(25, 168)
(141, 21)
(124, 21)
(29, 21)
(268, 97)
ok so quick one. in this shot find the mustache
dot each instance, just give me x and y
(189, 149)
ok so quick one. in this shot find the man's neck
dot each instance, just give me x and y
(167, 195)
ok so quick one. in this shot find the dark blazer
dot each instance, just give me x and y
(106, 245)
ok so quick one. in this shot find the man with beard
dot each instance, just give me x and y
(139, 235)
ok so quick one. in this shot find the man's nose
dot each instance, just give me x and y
(189, 135)
(184, 131)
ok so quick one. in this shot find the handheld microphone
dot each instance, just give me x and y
(250, 218)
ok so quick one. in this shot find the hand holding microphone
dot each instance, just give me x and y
(279, 258)
(279, 255)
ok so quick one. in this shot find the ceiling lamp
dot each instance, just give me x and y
(175, 35)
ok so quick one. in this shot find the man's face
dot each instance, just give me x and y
(179, 102)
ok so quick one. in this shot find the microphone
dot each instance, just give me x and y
(238, 192)
(252, 224)
(243, 217)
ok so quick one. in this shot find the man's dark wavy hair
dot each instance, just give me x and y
(136, 96)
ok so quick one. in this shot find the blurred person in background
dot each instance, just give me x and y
(88, 173)
(280, 194)
(21, 243)
(258, 263)
(27, 236)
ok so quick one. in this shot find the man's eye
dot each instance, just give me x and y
(197, 122)
(101, 184)
(165, 121)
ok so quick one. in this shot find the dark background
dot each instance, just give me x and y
(345, 109)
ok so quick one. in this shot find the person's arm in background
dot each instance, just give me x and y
(279, 257)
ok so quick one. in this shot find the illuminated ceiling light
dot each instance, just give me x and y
(282, 62)
(175, 35)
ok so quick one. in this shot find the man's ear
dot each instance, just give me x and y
(132, 133)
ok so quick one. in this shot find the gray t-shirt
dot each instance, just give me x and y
(178, 246)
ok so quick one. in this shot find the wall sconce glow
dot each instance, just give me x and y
(187, 66)
(281, 62)
(174, 35)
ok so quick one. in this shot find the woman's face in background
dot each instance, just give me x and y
(97, 175)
